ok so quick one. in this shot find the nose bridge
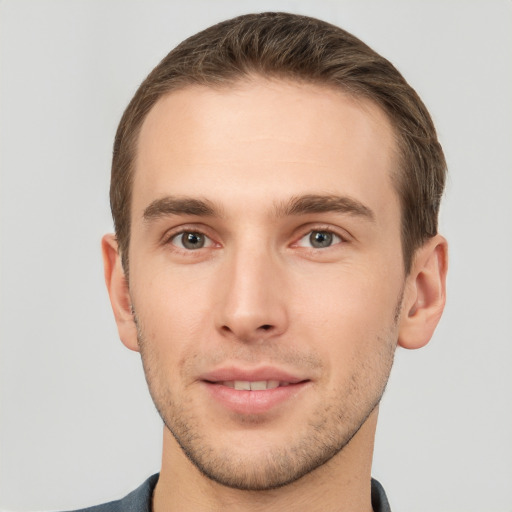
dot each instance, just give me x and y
(252, 304)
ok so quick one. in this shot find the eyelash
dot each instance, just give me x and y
(332, 237)
(192, 231)
(338, 238)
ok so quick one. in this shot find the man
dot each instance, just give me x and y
(275, 191)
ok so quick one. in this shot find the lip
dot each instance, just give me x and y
(252, 402)
(251, 374)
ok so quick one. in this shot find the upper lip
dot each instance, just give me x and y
(226, 374)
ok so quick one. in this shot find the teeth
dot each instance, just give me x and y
(259, 385)
(242, 385)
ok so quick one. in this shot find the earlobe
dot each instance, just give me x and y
(425, 294)
(118, 291)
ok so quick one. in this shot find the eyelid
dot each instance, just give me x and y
(307, 230)
(172, 233)
(177, 241)
(303, 231)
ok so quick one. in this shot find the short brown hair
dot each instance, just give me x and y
(290, 46)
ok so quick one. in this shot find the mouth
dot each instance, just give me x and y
(256, 385)
(257, 392)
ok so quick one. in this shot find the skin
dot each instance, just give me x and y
(259, 294)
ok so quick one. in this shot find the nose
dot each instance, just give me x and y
(252, 291)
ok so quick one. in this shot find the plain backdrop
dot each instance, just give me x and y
(77, 424)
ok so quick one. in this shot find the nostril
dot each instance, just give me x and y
(266, 327)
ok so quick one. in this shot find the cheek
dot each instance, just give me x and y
(351, 293)
(174, 308)
(347, 312)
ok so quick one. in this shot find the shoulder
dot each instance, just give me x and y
(379, 499)
(138, 500)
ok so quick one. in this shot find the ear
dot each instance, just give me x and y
(118, 291)
(425, 294)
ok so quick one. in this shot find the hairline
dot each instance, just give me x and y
(398, 167)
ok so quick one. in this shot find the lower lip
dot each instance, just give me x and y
(253, 402)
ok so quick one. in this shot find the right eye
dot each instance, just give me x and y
(319, 239)
(191, 240)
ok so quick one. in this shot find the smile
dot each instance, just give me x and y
(258, 385)
(250, 397)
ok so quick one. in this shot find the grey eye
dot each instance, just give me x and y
(191, 240)
(320, 239)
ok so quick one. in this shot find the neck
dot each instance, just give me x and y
(342, 484)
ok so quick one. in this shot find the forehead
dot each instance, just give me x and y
(260, 139)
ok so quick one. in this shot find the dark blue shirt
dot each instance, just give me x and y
(140, 499)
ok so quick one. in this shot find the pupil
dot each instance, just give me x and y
(193, 240)
(320, 239)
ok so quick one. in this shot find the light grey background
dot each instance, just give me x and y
(77, 424)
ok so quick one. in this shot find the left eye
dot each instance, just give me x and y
(319, 239)
(191, 240)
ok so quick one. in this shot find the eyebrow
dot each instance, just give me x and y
(171, 205)
(298, 205)
(311, 203)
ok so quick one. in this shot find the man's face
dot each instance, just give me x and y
(265, 253)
